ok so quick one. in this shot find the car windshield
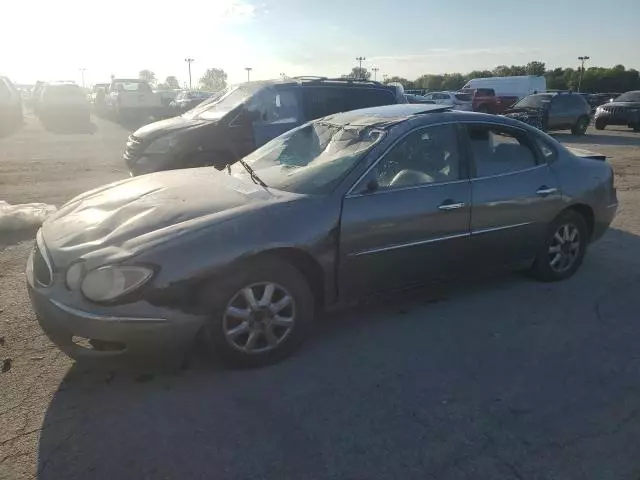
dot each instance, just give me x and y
(224, 102)
(311, 159)
(534, 101)
(629, 97)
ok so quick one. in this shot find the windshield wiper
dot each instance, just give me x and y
(254, 176)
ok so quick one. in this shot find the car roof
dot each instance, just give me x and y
(421, 114)
(324, 81)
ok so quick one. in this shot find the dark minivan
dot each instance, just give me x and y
(235, 122)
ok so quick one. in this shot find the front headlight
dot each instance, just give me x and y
(110, 282)
(599, 110)
(162, 145)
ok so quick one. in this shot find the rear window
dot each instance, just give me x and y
(463, 97)
(485, 92)
(63, 91)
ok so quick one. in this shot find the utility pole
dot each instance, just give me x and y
(582, 60)
(360, 60)
(248, 69)
(82, 70)
(375, 73)
(189, 60)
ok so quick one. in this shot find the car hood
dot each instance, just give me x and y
(121, 219)
(157, 129)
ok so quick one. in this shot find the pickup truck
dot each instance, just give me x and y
(132, 98)
(485, 100)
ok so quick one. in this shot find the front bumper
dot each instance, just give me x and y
(83, 330)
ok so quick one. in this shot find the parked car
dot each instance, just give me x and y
(624, 110)
(485, 100)
(240, 119)
(516, 86)
(339, 208)
(65, 101)
(411, 98)
(553, 111)
(10, 105)
(98, 98)
(188, 99)
(131, 98)
(455, 100)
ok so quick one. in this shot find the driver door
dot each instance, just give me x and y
(407, 220)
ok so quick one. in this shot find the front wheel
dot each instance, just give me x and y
(564, 248)
(580, 128)
(259, 314)
(600, 124)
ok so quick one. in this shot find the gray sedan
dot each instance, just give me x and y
(340, 208)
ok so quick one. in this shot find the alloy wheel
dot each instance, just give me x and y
(564, 248)
(259, 318)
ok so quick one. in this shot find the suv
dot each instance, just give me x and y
(10, 105)
(553, 111)
(233, 123)
(624, 110)
(456, 100)
(128, 98)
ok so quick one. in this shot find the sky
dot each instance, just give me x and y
(53, 40)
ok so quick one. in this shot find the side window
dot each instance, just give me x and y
(368, 97)
(275, 106)
(548, 152)
(319, 102)
(426, 156)
(496, 150)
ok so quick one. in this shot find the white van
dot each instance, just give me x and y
(510, 86)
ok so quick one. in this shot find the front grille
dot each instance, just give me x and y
(616, 110)
(41, 271)
(134, 148)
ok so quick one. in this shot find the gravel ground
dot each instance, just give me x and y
(503, 378)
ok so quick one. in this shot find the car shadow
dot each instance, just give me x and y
(425, 384)
(70, 127)
(599, 139)
(16, 236)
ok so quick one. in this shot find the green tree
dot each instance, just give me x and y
(501, 71)
(478, 74)
(535, 68)
(358, 74)
(148, 76)
(172, 82)
(453, 81)
(213, 80)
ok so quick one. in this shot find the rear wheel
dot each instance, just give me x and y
(600, 124)
(564, 248)
(259, 314)
(580, 128)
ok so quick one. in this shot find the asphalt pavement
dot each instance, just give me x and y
(491, 378)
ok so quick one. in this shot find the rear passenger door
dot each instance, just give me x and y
(368, 97)
(515, 194)
(319, 101)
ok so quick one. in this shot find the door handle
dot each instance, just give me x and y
(450, 206)
(544, 191)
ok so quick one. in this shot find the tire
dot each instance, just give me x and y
(543, 268)
(227, 336)
(600, 124)
(580, 128)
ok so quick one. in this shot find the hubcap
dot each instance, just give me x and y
(564, 247)
(259, 317)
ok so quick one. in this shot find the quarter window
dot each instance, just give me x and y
(496, 150)
(430, 155)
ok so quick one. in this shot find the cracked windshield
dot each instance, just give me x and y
(225, 225)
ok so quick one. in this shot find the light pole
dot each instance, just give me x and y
(360, 60)
(582, 60)
(248, 69)
(82, 70)
(189, 61)
(375, 73)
